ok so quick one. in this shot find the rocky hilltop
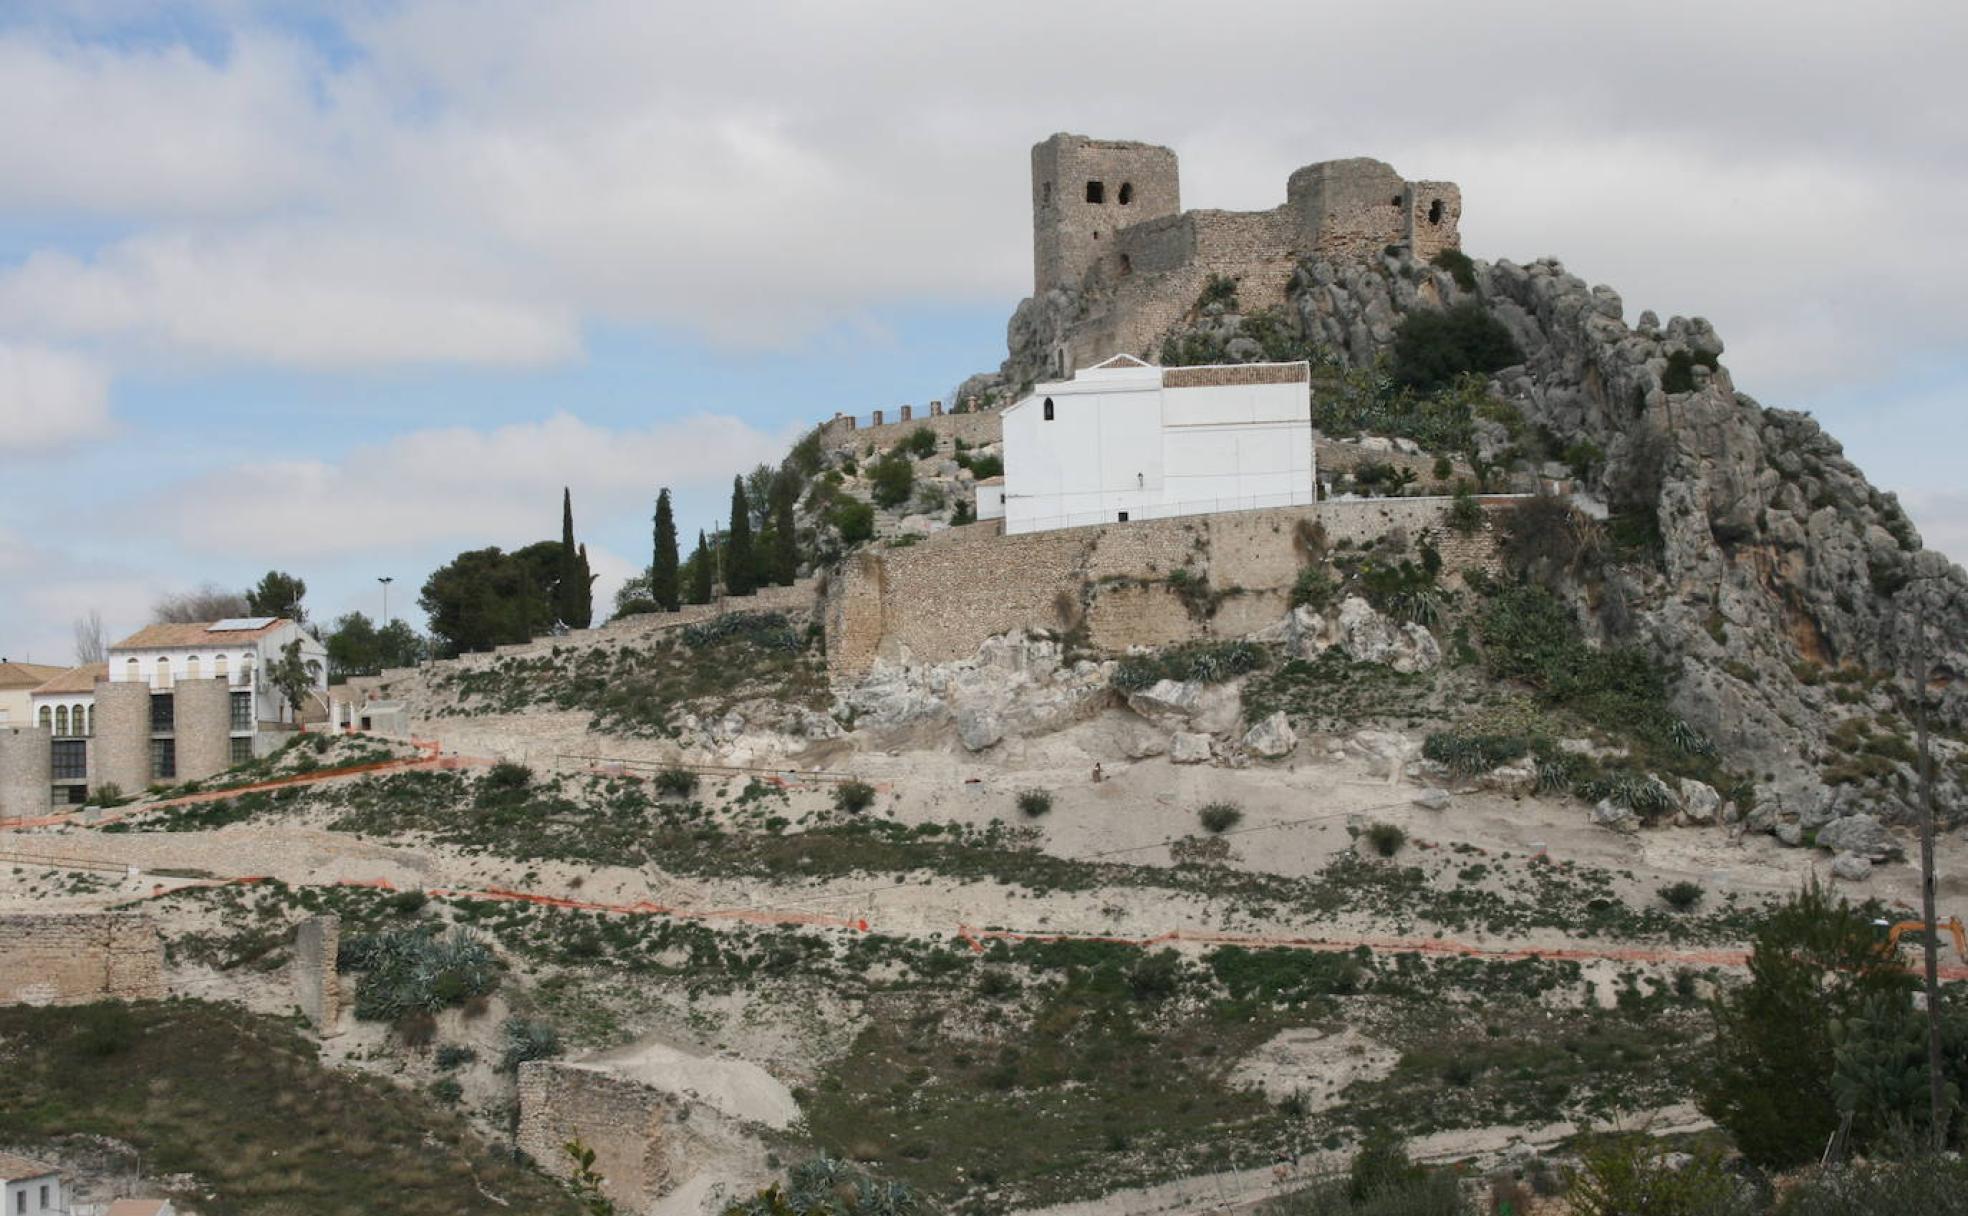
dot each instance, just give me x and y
(1782, 586)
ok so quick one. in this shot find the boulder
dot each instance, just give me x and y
(1861, 834)
(979, 727)
(1386, 753)
(1139, 743)
(1167, 700)
(1790, 835)
(1609, 814)
(1851, 867)
(1516, 780)
(1188, 747)
(1368, 637)
(1272, 738)
(1699, 801)
(1434, 798)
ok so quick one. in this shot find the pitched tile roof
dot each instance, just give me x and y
(171, 637)
(136, 1207)
(76, 679)
(13, 1168)
(26, 675)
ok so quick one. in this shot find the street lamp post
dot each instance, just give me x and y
(386, 580)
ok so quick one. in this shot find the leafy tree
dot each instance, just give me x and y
(487, 597)
(292, 676)
(586, 1183)
(663, 585)
(203, 604)
(738, 543)
(1879, 1071)
(758, 495)
(894, 477)
(277, 594)
(1815, 964)
(920, 443)
(785, 529)
(583, 597)
(357, 648)
(1435, 346)
(855, 520)
(702, 569)
(1629, 1175)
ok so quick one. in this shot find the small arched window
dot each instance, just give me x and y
(132, 671)
(1435, 212)
(163, 673)
(1127, 193)
(61, 720)
(191, 668)
(218, 667)
(47, 718)
(1048, 409)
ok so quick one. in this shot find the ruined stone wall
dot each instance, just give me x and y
(1070, 233)
(202, 725)
(1434, 218)
(76, 958)
(937, 601)
(25, 764)
(854, 435)
(317, 985)
(625, 1123)
(122, 754)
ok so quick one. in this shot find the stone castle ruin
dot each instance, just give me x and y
(1117, 261)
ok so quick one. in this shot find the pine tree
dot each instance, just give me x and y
(568, 576)
(701, 563)
(785, 530)
(663, 585)
(738, 544)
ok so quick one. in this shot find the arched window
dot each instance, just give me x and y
(47, 717)
(163, 679)
(61, 719)
(1048, 409)
(218, 667)
(1127, 193)
(1435, 212)
(133, 671)
(191, 668)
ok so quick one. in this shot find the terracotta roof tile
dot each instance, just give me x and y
(15, 1168)
(170, 637)
(76, 679)
(26, 675)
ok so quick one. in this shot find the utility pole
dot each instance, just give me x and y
(1936, 1090)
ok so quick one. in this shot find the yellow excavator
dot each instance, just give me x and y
(1951, 926)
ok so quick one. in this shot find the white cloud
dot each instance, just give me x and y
(49, 398)
(45, 589)
(453, 485)
(1942, 520)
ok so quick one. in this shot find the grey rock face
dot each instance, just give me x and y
(979, 727)
(1699, 801)
(1861, 834)
(1189, 747)
(1608, 814)
(1168, 701)
(1272, 738)
(1368, 637)
(1851, 867)
(1433, 798)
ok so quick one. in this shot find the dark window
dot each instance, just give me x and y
(70, 760)
(1396, 202)
(1124, 517)
(1045, 194)
(163, 760)
(1127, 193)
(1127, 264)
(163, 713)
(1435, 212)
(75, 795)
(1048, 409)
(242, 749)
(1096, 192)
(242, 712)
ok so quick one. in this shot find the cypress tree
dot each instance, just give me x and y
(785, 534)
(583, 597)
(568, 573)
(738, 545)
(700, 571)
(663, 585)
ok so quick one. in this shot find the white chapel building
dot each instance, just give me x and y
(1126, 440)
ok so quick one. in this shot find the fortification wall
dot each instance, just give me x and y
(76, 958)
(848, 434)
(317, 985)
(625, 1123)
(25, 770)
(937, 601)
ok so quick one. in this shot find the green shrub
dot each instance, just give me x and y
(1627, 1175)
(854, 520)
(1314, 589)
(1156, 976)
(507, 777)
(407, 903)
(1432, 347)
(676, 782)
(1931, 1186)
(1459, 266)
(854, 797)
(528, 1039)
(1204, 662)
(102, 1030)
(1386, 839)
(447, 1090)
(454, 1056)
(893, 479)
(414, 971)
(1681, 896)
(1034, 803)
(1219, 289)
(921, 442)
(1469, 755)
(983, 467)
(1219, 817)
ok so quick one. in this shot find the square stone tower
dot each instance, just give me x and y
(1083, 192)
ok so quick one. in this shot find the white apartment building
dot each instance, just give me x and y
(1126, 440)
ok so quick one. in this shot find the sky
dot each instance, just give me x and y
(346, 289)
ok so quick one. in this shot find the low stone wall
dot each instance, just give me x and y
(854, 435)
(317, 985)
(76, 958)
(625, 1123)
(938, 600)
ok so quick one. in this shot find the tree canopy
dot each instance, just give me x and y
(487, 597)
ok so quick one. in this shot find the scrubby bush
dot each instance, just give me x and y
(1931, 1186)
(1219, 817)
(1386, 839)
(1432, 347)
(1468, 755)
(676, 782)
(893, 479)
(1628, 1175)
(854, 797)
(454, 1056)
(415, 971)
(1314, 589)
(1203, 662)
(447, 1090)
(1681, 896)
(1034, 803)
(507, 777)
(1546, 539)
(1155, 977)
(528, 1039)
(1218, 289)
(854, 520)
(408, 903)
(921, 442)
(1465, 513)
(1459, 266)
